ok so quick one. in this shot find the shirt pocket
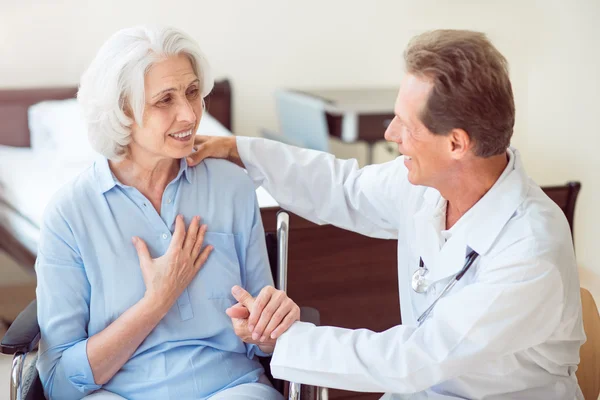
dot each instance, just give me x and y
(222, 270)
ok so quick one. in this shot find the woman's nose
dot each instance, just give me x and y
(185, 112)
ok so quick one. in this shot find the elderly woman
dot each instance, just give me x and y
(148, 320)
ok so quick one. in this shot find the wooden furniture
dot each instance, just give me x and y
(565, 196)
(358, 114)
(588, 373)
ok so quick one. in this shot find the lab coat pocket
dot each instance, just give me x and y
(222, 269)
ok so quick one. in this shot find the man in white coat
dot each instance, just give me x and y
(511, 325)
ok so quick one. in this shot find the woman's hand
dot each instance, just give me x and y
(166, 277)
(239, 317)
(266, 318)
(215, 147)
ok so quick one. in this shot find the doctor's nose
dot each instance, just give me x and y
(393, 133)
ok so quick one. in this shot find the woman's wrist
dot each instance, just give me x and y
(155, 306)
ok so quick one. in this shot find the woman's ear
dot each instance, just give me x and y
(127, 108)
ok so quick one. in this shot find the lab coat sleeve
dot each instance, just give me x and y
(317, 186)
(63, 300)
(516, 303)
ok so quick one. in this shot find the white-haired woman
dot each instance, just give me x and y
(149, 322)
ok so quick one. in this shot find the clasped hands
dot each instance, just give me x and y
(263, 319)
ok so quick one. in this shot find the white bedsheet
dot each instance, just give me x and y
(24, 230)
(28, 182)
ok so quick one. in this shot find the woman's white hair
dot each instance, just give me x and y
(114, 82)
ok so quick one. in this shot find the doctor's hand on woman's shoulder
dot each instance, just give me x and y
(166, 277)
(263, 319)
(214, 147)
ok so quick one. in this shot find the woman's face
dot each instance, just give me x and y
(172, 111)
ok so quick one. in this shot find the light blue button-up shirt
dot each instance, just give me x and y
(89, 274)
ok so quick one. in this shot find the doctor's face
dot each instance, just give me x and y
(426, 155)
(172, 112)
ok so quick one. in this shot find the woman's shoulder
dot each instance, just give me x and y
(71, 195)
(227, 176)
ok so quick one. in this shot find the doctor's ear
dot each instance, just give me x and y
(460, 143)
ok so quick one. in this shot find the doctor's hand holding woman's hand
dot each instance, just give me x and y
(263, 319)
(214, 147)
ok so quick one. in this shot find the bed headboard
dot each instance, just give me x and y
(14, 103)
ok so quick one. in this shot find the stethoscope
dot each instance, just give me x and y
(420, 284)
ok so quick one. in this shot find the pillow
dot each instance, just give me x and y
(59, 131)
(211, 127)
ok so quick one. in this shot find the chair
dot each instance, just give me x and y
(588, 373)
(24, 333)
(565, 196)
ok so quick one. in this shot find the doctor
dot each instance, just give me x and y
(477, 239)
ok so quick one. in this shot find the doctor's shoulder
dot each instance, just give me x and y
(538, 230)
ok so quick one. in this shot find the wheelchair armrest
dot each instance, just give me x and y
(23, 334)
(309, 314)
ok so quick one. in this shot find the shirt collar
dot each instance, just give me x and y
(494, 209)
(107, 180)
(484, 223)
(498, 205)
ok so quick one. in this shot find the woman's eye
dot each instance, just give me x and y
(193, 92)
(165, 100)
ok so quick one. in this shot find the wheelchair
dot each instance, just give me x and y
(23, 334)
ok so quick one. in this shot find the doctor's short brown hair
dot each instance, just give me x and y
(471, 87)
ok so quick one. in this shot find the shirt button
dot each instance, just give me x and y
(165, 236)
(168, 201)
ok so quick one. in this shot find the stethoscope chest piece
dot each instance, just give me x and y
(420, 283)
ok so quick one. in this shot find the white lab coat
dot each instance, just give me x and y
(512, 326)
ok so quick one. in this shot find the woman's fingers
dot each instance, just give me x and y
(199, 242)
(142, 250)
(238, 311)
(178, 235)
(202, 258)
(191, 236)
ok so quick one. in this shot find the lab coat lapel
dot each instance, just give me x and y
(426, 229)
(496, 208)
(488, 217)
(450, 259)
